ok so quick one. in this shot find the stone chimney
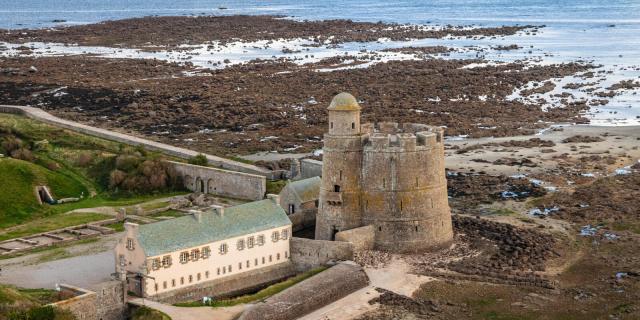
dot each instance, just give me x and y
(131, 229)
(295, 169)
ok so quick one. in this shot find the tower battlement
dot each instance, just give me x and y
(408, 136)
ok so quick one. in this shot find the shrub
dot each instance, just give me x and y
(22, 154)
(200, 160)
(84, 159)
(11, 143)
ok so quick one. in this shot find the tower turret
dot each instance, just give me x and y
(339, 205)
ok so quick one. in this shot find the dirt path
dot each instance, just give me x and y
(394, 276)
(191, 313)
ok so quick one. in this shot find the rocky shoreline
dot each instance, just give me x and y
(151, 32)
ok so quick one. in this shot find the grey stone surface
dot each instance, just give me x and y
(361, 238)
(311, 294)
(307, 253)
(222, 182)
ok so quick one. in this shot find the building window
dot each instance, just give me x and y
(130, 244)
(270, 258)
(278, 256)
(190, 278)
(156, 286)
(155, 264)
(206, 252)
(184, 256)
(260, 240)
(331, 125)
(336, 188)
(195, 254)
(317, 202)
(251, 242)
(263, 260)
(340, 175)
(123, 261)
(229, 268)
(164, 285)
(224, 248)
(166, 261)
(173, 282)
(255, 262)
(292, 208)
(239, 265)
(224, 270)
(206, 274)
(286, 254)
(240, 244)
(353, 125)
(275, 236)
(248, 264)
(218, 271)
(285, 234)
(181, 280)
(198, 277)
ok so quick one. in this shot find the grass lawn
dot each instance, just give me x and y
(52, 248)
(52, 223)
(18, 200)
(260, 295)
(146, 313)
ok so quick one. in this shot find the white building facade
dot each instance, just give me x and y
(175, 254)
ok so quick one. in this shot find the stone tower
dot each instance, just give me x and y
(342, 155)
(385, 175)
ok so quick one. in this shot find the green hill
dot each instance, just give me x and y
(18, 200)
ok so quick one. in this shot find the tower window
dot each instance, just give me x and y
(340, 175)
(336, 188)
(400, 205)
(331, 125)
(353, 125)
(384, 182)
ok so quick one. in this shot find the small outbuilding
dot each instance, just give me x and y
(298, 196)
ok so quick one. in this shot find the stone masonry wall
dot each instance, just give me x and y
(230, 286)
(83, 305)
(307, 253)
(222, 182)
(302, 220)
(310, 168)
(311, 294)
(110, 297)
(361, 238)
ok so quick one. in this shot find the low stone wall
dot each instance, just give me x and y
(41, 115)
(83, 304)
(311, 294)
(310, 168)
(222, 182)
(229, 286)
(308, 253)
(303, 220)
(361, 238)
(110, 298)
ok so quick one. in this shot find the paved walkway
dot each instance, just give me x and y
(394, 277)
(44, 116)
(191, 313)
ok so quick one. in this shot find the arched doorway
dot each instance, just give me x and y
(199, 187)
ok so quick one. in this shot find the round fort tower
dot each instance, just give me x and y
(404, 188)
(339, 203)
(386, 176)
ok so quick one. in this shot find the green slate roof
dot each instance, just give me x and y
(185, 232)
(306, 189)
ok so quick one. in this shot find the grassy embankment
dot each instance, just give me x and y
(54, 162)
(19, 303)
